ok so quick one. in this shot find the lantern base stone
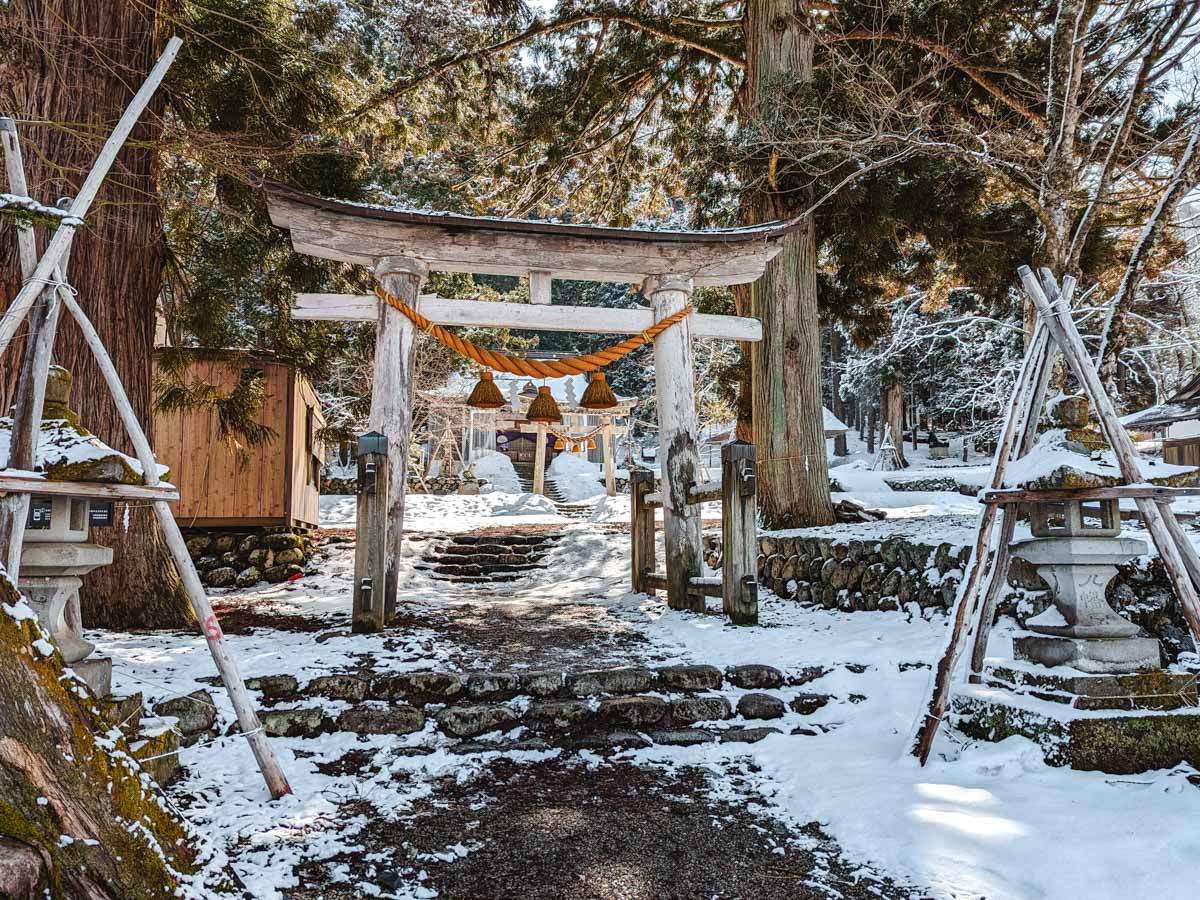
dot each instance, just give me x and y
(97, 672)
(1096, 657)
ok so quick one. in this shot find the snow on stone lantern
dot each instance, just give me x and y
(57, 552)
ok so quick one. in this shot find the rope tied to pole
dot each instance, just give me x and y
(532, 368)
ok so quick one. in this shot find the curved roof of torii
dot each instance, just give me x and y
(362, 233)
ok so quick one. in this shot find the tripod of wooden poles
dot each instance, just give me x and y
(987, 569)
(45, 278)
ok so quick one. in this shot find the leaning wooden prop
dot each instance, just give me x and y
(988, 566)
(46, 278)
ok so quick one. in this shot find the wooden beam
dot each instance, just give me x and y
(481, 314)
(607, 441)
(95, 490)
(359, 234)
(697, 587)
(539, 288)
(739, 534)
(539, 459)
(641, 529)
(1116, 492)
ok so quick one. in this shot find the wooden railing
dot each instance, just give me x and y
(738, 585)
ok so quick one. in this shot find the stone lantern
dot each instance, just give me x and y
(57, 553)
(1076, 549)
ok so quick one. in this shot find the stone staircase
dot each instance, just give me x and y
(484, 711)
(567, 508)
(486, 558)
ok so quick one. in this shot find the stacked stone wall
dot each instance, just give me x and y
(866, 575)
(245, 557)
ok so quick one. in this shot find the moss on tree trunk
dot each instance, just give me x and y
(68, 786)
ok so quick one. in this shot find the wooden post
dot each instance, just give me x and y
(391, 404)
(641, 529)
(370, 559)
(739, 532)
(539, 459)
(679, 461)
(610, 473)
(248, 722)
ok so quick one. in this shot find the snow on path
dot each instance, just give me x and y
(982, 820)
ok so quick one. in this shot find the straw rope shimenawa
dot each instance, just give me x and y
(532, 368)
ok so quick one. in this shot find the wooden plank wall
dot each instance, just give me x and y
(306, 451)
(215, 487)
(1182, 451)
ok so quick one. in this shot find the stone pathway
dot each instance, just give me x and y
(583, 820)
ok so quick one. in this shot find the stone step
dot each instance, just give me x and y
(490, 569)
(1154, 690)
(509, 539)
(492, 549)
(475, 579)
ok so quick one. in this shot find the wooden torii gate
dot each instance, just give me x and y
(402, 246)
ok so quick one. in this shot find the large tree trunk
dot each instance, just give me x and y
(839, 406)
(891, 402)
(793, 487)
(57, 782)
(75, 64)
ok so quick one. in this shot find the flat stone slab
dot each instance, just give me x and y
(559, 715)
(689, 710)
(472, 721)
(304, 722)
(337, 687)
(632, 712)
(760, 706)
(632, 680)
(1140, 690)
(394, 718)
(690, 678)
(417, 687)
(1121, 743)
(806, 704)
(755, 677)
(746, 735)
(1096, 657)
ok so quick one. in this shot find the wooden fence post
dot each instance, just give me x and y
(539, 460)
(641, 528)
(371, 543)
(739, 531)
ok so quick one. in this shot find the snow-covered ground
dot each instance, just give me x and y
(981, 820)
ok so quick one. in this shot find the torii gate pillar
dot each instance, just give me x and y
(391, 400)
(678, 457)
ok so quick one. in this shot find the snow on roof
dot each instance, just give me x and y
(1162, 414)
(833, 425)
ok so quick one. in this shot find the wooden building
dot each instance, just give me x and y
(276, 483)
(1177, 420)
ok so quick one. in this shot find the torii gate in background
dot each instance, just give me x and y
(402, 246)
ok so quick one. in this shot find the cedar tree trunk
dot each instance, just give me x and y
(793, 485)
(75, 64)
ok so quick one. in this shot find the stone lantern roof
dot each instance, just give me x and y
(66, 450)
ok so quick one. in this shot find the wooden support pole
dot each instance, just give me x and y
(247, 718)
(968, 593)
(739, 534)
(370, 569)
(391, 404)
(641, 529)
(1154, 515)
(679, 460)
(610, 472)
(539, 459)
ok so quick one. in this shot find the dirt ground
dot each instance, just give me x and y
(564, 828)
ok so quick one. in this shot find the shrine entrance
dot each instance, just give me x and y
(402, 246)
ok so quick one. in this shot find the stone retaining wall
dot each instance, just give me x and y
(245, 557)
(863, 576)
(678, 704)
(442, 484)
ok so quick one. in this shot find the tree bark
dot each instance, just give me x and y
(891, 402)
(74, 64)
(835, 377)
(786, 364)
(56, 781)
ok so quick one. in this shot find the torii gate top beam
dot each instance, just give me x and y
(362, 234)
